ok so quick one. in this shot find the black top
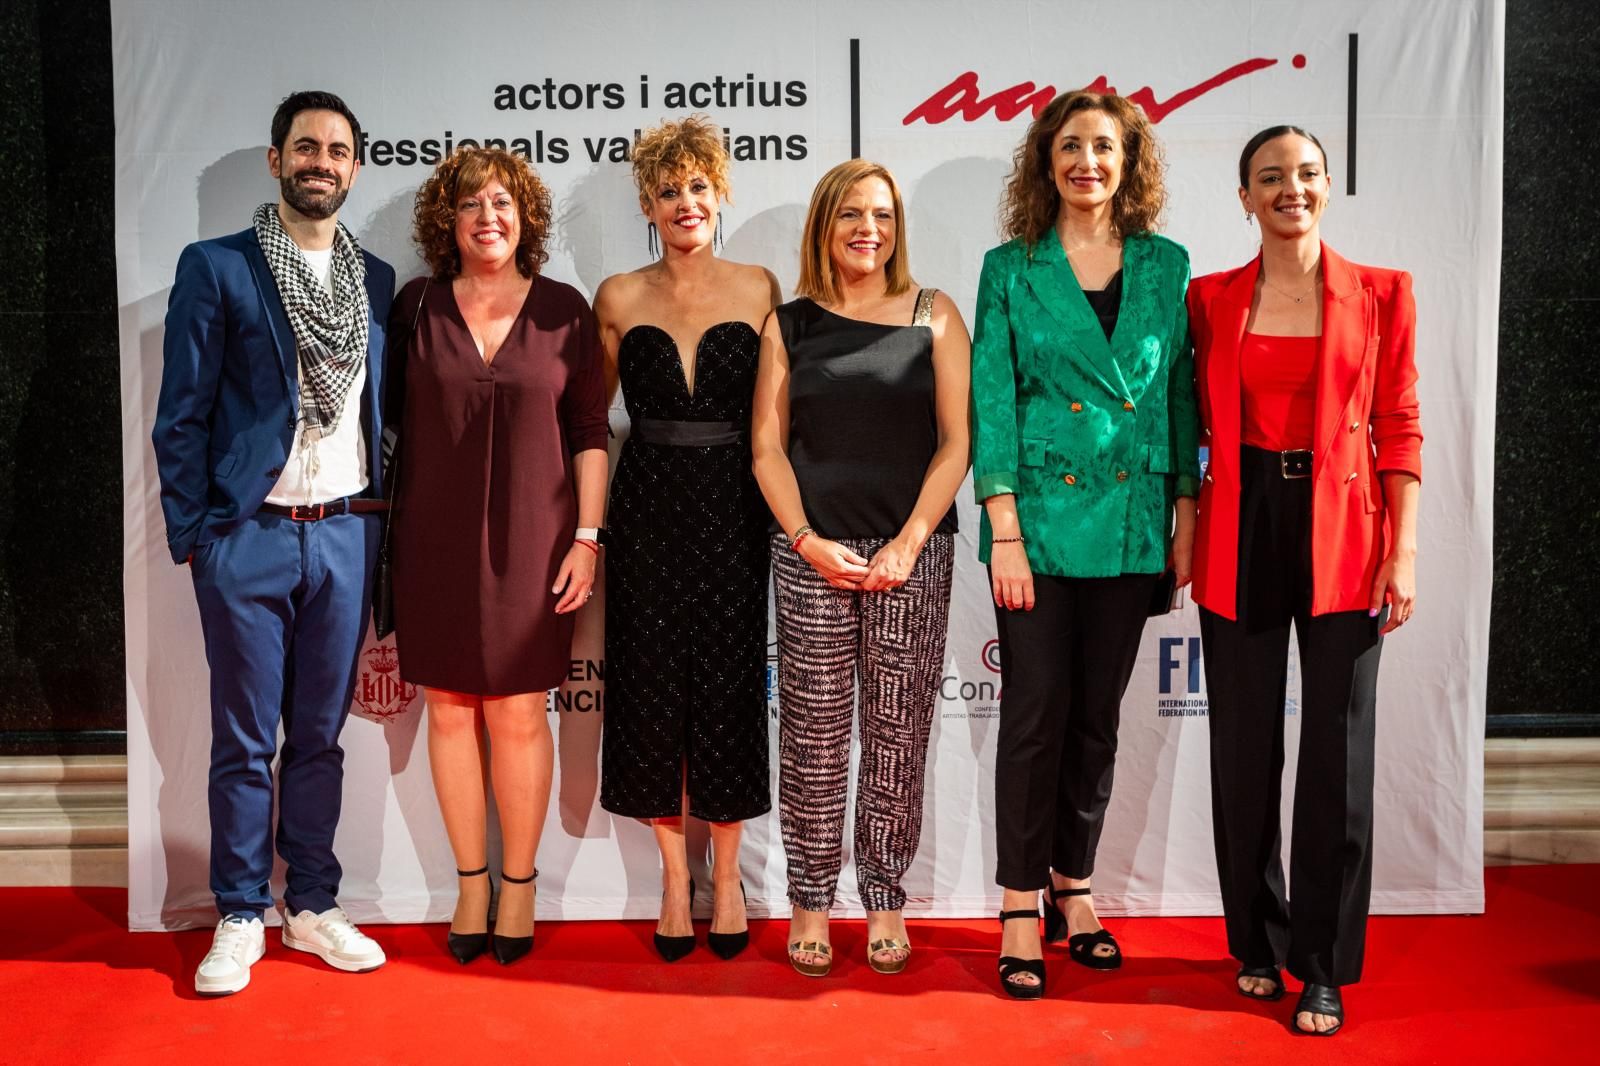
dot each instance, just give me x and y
(1106, 303)
(862, 423)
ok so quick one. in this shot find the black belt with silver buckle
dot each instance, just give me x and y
(1295, 464)
(684, 434)
(316, 512)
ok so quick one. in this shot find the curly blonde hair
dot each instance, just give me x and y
(1032, 202)
(676, 148)
(463, 173)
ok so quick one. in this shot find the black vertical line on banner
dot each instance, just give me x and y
(1350, 130)
(855, 98)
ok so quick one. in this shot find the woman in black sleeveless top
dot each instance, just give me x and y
(859, 430)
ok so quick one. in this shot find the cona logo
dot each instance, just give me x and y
(964, 97)
(991, 655)
(381, 694)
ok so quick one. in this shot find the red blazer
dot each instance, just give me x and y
(1366, 423)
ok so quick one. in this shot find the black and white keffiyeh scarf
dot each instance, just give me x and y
(330, 330)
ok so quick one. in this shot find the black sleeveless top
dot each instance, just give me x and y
(862, 423)
(1107, 303)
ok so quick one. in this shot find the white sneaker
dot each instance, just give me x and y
(334, 937)
(235, 947)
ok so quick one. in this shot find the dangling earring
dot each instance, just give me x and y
(716, 239)
(1249, 218)
(652, 240)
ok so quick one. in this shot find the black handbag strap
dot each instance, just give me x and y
(394, 463)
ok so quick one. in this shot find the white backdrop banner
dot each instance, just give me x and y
(1405, 94)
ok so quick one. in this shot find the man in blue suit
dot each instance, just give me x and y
(267, 441)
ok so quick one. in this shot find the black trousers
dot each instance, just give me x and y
(1064, 667)
(1322, 936)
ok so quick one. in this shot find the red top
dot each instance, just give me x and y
(1278, 382)
(1366, 423)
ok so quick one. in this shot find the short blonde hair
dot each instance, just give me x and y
(816, 265)
(675, 148)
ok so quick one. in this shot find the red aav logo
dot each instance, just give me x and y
(963, 97)
(381, 694)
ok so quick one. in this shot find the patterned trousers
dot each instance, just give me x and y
(893, 641)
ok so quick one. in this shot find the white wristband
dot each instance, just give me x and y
(586, 533)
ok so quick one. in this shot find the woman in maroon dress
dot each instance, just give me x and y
(502, 470)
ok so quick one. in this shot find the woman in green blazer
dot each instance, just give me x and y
(1085, 460)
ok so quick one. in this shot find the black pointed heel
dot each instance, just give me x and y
(726, 945)
(1010, 965)
(1319, 999)
(465, 947)
(673, 948)
(508, 949)
(1081, 945)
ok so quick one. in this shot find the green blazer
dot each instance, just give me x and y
(1094, 438)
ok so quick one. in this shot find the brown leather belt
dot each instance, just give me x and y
(316, 512)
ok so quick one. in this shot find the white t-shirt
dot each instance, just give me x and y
(337, 465)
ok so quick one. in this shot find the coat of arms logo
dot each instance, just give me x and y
(381, 694)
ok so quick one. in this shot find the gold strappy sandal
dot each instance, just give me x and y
(813, 947)
(888, 943)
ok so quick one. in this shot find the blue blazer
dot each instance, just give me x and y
(230, 393)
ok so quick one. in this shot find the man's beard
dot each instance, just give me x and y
(312, 203)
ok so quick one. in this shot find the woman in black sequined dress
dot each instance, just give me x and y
(686, 562)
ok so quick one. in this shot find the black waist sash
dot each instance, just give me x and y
(684, 434)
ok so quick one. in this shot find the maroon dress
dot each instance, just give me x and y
(486, 505)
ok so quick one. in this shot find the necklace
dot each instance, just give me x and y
(1315, 281)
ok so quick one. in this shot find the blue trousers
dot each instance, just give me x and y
(283, 605)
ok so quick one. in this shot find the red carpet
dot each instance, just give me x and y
(1519, 984)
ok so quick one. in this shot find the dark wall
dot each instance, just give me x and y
(1544, 664)
(61, 635)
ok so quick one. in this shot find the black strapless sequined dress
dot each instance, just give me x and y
(686, 586)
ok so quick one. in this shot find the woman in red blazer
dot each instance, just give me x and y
(1307, 389)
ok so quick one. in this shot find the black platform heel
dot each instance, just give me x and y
(1080, 945)
(726, 945)
(1010, 965)
(673, 948)
(508, 949)
(465, 947)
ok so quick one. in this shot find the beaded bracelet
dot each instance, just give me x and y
(799, 535)
(1005, 540)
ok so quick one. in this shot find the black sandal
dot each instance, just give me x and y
(1319, 999)
(1269, 973)
(1081, 945)
(1010, 965)
(1055, 923)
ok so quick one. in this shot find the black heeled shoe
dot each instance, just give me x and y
(1269, 973)
(1080, 945)
(1319, 999)
(726, 945)
(1010, 965)
(673, 948)
(465, 947)
(508, 949)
